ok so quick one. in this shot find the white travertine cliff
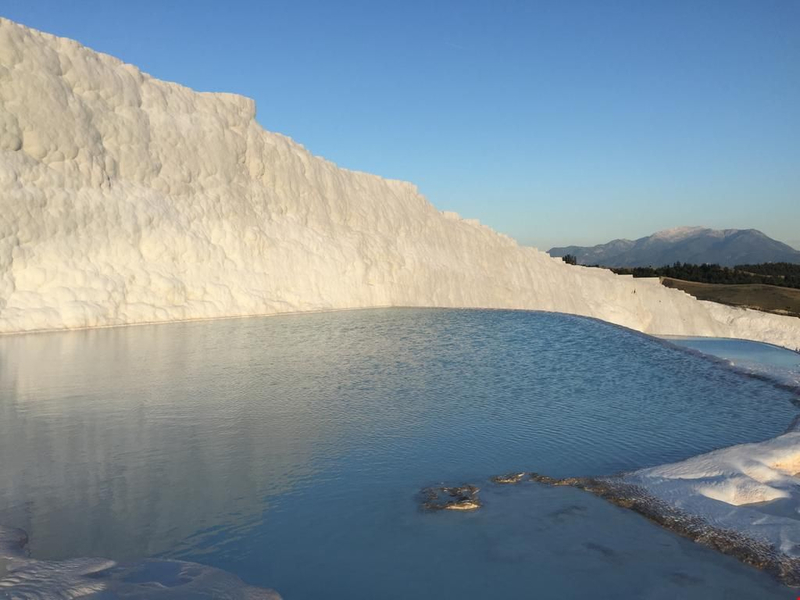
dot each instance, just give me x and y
(125, 199)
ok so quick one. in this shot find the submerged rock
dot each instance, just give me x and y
(508, 478)
(571, 481)
(463, 497)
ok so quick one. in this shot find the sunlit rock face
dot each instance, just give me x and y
(125, 199)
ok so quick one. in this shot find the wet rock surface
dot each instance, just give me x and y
(463, 497)
(508, 478)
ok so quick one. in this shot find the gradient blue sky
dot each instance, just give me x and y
(554, 122)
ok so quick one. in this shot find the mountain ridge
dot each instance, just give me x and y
(695, 245)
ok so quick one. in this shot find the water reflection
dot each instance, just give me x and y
(138, 438)
(289, 449)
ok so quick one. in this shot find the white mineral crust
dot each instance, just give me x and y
(125, 199)
(750, 488)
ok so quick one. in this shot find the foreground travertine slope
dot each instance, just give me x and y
(124, 199)
(729, 489)
(26, 578)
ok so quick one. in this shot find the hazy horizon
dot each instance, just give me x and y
(558, 125)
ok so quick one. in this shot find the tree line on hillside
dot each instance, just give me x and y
(781, 274)
(780, 269)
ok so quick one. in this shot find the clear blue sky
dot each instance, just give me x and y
(555, 122)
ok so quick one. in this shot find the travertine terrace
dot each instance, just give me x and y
(125, 199)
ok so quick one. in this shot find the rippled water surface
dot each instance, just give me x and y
(289, 451)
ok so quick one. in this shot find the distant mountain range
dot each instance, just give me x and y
(698, 245)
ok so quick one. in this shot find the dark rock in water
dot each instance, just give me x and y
(508, 478)
(463, 497)
(571, 481)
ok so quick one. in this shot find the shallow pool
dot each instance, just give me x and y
(764, 360)
(289, 451)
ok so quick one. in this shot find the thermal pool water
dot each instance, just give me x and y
(289, 452)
